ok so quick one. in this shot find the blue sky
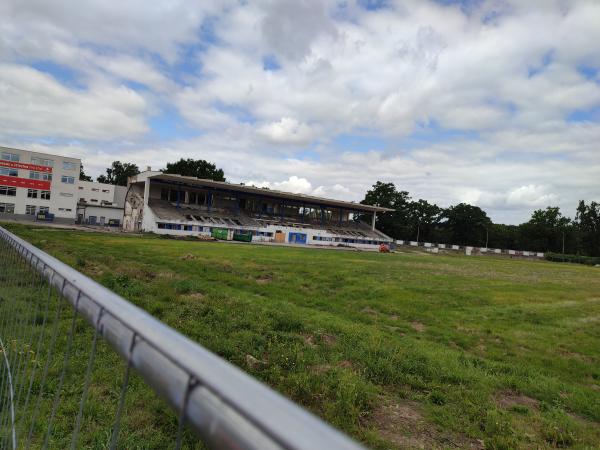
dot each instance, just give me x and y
(496, 103)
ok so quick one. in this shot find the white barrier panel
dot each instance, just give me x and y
(414, 244)
(498, 250)
(512, 252)
(442, 245)
(427, 244)
(468, 250)
(525, 253)
(455, 247)
(540, 255)
(483, 250)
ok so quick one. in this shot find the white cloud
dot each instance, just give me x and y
(465, 108)
(35, 104)
(287, 131)
(292, 184)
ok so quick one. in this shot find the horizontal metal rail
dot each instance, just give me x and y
(226, 407)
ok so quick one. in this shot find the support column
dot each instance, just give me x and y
(373, 221)
(209, 200)
(146, 191)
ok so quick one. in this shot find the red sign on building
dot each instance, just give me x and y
(24, 183)
(18, 165)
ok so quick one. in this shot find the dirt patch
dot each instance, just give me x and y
(369, 311)
(194, 296)
(320, 369)
(595, 387)
(328, 339)
(346, 364)
(393, 317)
(309, 340)
(264, 279)
(188, 257)
(417, 326)
(509, 399)
(254, 363)
(402, 424)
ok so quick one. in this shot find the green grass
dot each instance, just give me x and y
(397, 350)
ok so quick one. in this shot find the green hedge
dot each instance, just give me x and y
(579, 259)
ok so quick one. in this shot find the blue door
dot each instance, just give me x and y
(297, 238)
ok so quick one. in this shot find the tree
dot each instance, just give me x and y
(82, 175)
(423, 218)
(118, 173)
(467, 224)
(587, 222)
(392, 223)
(198, 168)
(545, 230)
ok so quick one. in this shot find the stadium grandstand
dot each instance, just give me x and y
(187, 206)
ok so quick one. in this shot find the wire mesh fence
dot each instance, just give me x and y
(81, 367)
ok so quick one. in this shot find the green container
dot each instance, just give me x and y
(244, 237)
(220, 233)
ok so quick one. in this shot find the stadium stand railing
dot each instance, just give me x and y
(53, 322)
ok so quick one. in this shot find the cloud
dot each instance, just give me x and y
(478, 102)
(35, 104)
(287, 131)
(292, 184)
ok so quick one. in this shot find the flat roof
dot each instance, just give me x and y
(259, 191)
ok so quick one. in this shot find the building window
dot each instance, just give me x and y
(9, 156)
(40, 176)
(30, 210)
(95, 190)
(94, 200)
(8, 208)
(45, 195)
(106, 191)
(32, 193)
(9, 172)
(82, 200)
(42, 162)
(66, 194)
(44, 209)
(67, 165)
(80, 188)
(68, 180)
(8, 190)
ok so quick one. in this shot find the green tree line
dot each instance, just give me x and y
(546, 231)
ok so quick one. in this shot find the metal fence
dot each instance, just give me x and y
(81, 368)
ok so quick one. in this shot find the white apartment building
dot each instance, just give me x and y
(32, 182)
(100, 204)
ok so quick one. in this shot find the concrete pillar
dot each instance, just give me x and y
(146, 191)
(373, 221)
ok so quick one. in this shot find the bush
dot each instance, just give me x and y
(578, 259)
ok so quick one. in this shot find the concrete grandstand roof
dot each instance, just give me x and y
(258, 191)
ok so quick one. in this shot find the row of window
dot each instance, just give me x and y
(348, 240)
(31, 209)
(11, 191)
(67, 165)
(199, 228)
(33, 193)
(33, 175)
(9, 156)
(8, 208)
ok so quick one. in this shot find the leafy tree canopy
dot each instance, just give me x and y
(82, 175)
(198, 168)
(118, 173)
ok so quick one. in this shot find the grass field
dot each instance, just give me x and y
(399, 350)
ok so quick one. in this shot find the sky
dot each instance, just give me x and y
(491, 102)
